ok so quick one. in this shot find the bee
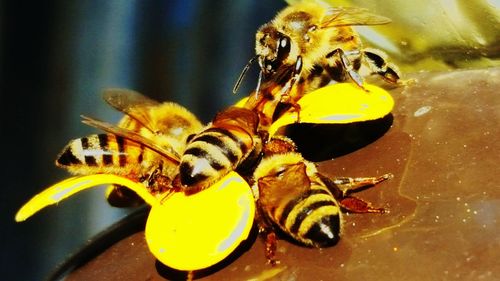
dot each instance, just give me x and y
(304, 204)
(176, 218)
(316, 44)
(144, 150)
(231, 141)
(164, 145)
(144, 146)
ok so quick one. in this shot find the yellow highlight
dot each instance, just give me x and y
(183, 232)
(64, 189)
(339, 103)
(190, 232)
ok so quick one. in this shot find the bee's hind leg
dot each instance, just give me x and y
(342, 187)
(377, 62)
(356, 205)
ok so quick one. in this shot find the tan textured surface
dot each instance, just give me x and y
(444, 201)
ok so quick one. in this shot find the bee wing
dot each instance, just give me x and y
(291, 183)
(345, 16)
(131, 103)
(241, 117)
(168, 153)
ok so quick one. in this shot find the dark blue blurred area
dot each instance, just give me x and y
(57, 56)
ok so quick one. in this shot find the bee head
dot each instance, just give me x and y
(272, 48)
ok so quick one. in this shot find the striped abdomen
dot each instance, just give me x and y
(312, 217)
(103, 153)
(211, 155)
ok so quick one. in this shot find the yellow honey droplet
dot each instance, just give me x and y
(191, 232)
(69, 187)
(339, 103)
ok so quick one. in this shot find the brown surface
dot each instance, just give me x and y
(444, 201)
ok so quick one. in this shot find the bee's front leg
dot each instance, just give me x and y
(286, 97)
(157, 182)
(287, 100)
(267, 233)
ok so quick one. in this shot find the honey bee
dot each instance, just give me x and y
(144, 146)
(143, 150)
(232, 140)
(316, 43)
(164, 145)
(304, 204)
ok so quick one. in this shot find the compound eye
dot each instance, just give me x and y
(284, 42)
(283, 48)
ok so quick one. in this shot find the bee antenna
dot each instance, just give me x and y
(242, 74)
(259, 81)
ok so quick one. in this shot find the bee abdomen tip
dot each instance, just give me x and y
(67, 158)
(325, 233)
(188, 177)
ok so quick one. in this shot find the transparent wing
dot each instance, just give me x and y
(168, 153)
(345, 16)
(132, 104)
(290, 183)
(241, 117)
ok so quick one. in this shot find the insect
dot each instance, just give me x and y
(167, 145)
(144, 146)
(304, 204)
(234, 139)
(177, 218)
(144, 149)
(231, 140)
(310, 43)
(310, 34)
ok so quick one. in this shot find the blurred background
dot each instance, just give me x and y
(56, 57)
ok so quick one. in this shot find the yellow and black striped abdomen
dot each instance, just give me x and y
(210, 155)
(312, 218)
(102, 153)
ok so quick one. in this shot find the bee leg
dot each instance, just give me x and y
(377, 62)
(157, 182)
(339, 63)
(271, 244)
(341, 187)
(285, 96)
(294, 77)
(266, 232)
(356, 205)
(287, 99)
(350, 185)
